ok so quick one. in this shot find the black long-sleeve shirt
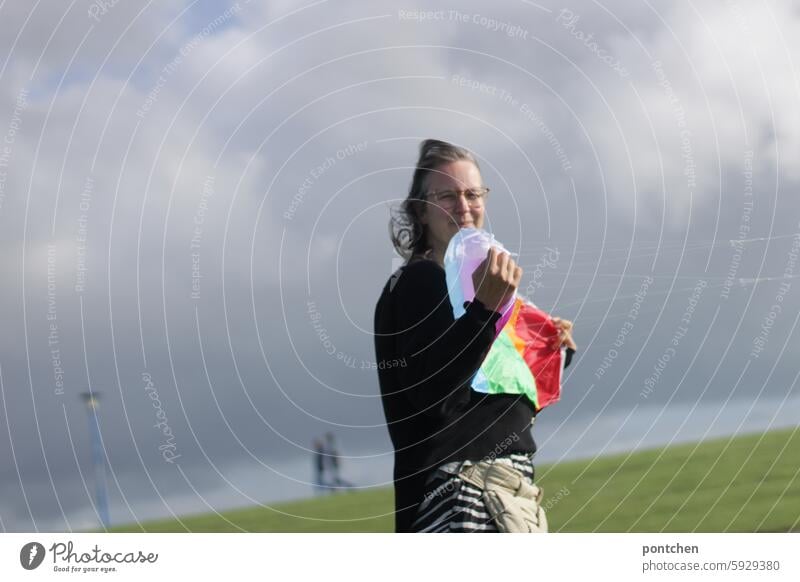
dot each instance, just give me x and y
(426, 359)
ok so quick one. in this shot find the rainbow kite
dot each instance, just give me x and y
(526, 357)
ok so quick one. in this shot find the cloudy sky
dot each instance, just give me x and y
(184, 186)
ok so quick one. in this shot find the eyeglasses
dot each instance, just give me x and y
(449, 198)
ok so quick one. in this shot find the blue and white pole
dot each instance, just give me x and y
(91, 399)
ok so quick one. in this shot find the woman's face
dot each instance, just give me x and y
(445, 219)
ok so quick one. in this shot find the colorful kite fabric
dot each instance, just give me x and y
(526, 357)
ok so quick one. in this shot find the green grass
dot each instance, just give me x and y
(748, 483)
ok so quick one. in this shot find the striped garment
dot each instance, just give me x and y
(452, 505)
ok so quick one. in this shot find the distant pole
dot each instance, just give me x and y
(91, 399)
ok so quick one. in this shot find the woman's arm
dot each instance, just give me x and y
(442, 353)
(565, 338)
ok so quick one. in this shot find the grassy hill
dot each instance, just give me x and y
(748, 483)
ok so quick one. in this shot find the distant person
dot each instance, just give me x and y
(443, 431)
(332, 457)
(319, 466)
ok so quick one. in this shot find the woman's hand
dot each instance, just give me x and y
(564, 333)
(496, 279)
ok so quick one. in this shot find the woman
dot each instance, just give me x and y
(437, 423)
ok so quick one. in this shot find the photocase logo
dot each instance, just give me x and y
(31, 555)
